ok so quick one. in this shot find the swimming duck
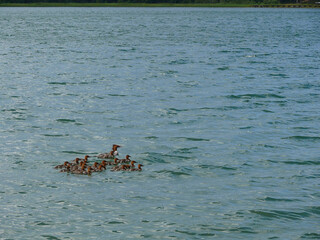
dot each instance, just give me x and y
(79, 170)
(66, 169)
(131, 166)
(118, 168)
(114, 162)
(137, 169)
(85, 158)
(62, 165)
(94, 166)
(128, 167)
(125, 160)
(100, 168)
(111, 154)
(75, 161)
(88, 172)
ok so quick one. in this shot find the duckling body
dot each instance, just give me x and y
(125, 160)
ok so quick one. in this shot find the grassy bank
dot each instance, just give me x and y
(156, 5)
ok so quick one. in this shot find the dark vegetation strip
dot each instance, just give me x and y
(26, 3)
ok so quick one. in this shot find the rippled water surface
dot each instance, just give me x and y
(221, 106)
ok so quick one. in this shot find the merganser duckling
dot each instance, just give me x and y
(128, 167)
(94, 167)
(137, 169)
(75, 161)
(100, 168)
(67, 169)
(85, 158)
(88, 172)
(119, 168)
(62, 165)
(131, 166)
(125, 160)
(115, 162)
(79, 170)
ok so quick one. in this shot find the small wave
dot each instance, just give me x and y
(301, 138)
(206, 166)
(267, 111)
(223, 68)
(186, 232)
(55, 135)
(313, 210)
(242, 230)
(175, 173)
(271, 199)
(282, 75)
(178, 62)
(49, 237)
(41, 223)
(116, 95)
(248, 127)
(115, 222)
(73, 152)
(178, 110)
(185, 150)
(64, 120)
(151, 137)
(192, 139)
(311, 236)
(249, 96)
(57, 83)
(281, 214)
(156, 157)
(302, 162)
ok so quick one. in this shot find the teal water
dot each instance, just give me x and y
(220, 105)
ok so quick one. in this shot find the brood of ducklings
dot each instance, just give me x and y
(81, 165)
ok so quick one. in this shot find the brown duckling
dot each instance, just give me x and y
(62, 165)
(137, 169)
(125, 160)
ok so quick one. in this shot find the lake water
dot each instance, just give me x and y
(221, 106)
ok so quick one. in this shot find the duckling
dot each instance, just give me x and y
(88, 172)
(79, 170)
(118, 168)
(62, 165)
(115, 162)
(66, 169)
(137, 169)
(125, 160)
(85, 158)
(94, 167)
(75, 161)
(131, 166)
(100, 168)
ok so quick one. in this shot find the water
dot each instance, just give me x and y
(220, 105)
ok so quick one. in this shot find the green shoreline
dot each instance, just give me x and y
(215, 5)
